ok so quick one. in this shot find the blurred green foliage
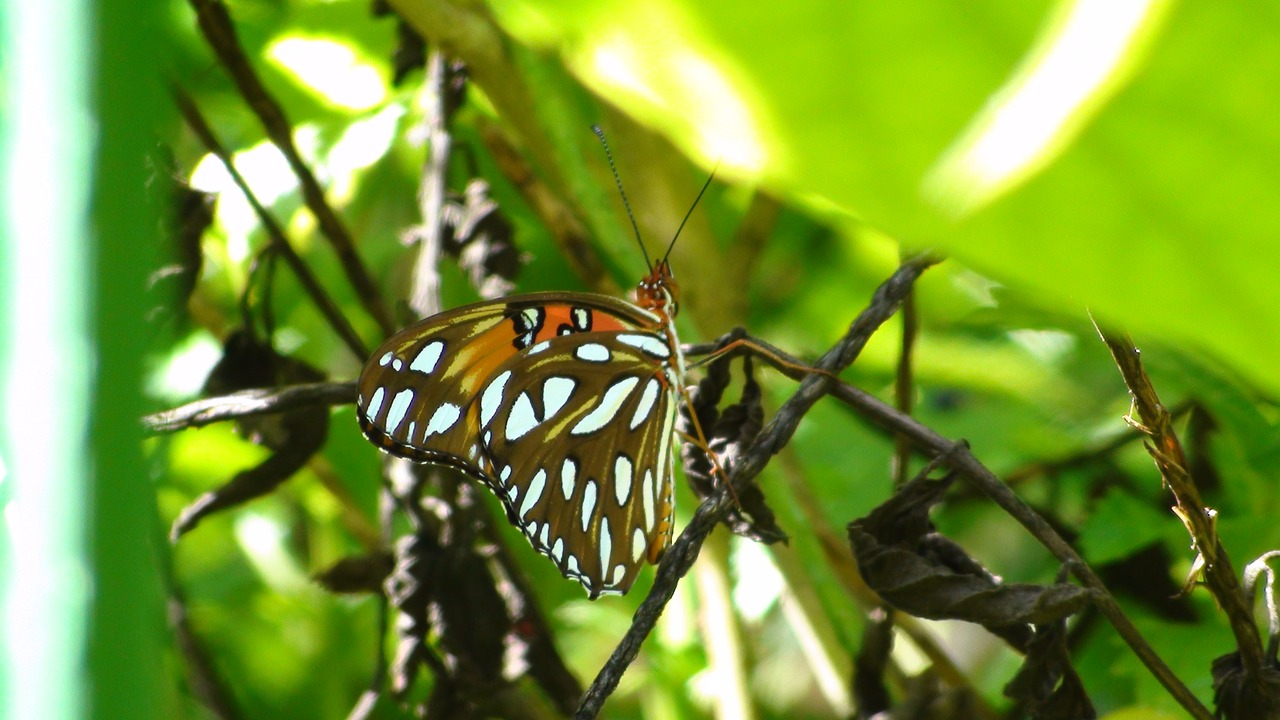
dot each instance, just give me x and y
(1151, 208)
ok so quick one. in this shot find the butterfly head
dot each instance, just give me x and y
(658, 293)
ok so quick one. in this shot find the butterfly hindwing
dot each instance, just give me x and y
(578, 431)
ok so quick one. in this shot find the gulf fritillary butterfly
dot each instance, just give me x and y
(563, 403)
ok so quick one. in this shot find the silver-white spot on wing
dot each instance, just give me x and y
(428, 357)
(618, 572)
(399, 408)
(648, 344)
(491, 398)
(637, 544)
(385, 360)
(375, 403)
(568, 477)
(592, 352)
(606, 547)
(545, 536)
(648, 397)
(534, 494)
(622, 478)
(648, 493)
(535, 349)
(602, 413)
(588, 503)
(556, 391)
(557, 550)
(522, 418)
(442, 419)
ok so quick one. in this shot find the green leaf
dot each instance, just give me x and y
(1145, 192)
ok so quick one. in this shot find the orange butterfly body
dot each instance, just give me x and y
(563, 404)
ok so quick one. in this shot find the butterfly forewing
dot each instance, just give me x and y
(417, 389)
(578, 431)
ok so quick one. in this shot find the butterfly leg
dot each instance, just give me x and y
(699, 440)
(774, 357)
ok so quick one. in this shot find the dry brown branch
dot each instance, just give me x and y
(1154, 421)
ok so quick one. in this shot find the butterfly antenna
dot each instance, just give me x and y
(705, 185)
(600, 134)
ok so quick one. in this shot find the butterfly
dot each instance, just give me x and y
(562, 403)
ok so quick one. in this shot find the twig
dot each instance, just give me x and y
(195, 120)
(204, 682)
(424, 297)
(215, 23)
(904, 390)
(684, 551)
(247, 403)
(1166, 450)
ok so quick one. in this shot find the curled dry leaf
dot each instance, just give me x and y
(357, 574)
(293, 436)
(480, 237)
(870, 693)
(728, 434)
(922, 573)
(1047, 684)
(1237, 696)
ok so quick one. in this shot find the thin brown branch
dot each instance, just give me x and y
(904, 389)
(424, 296)
(1154, 421)
(279, 241)
(215, 23)
(247, 403)
(205, 684)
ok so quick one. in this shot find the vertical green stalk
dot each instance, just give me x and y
(126, 620)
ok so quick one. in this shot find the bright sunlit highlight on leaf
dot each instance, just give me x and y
(182, 374)
(263, 540)
(1076, 66)
(758, 583)
(331, 70)
(362, 144)
(679, 87)
(269, 176)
